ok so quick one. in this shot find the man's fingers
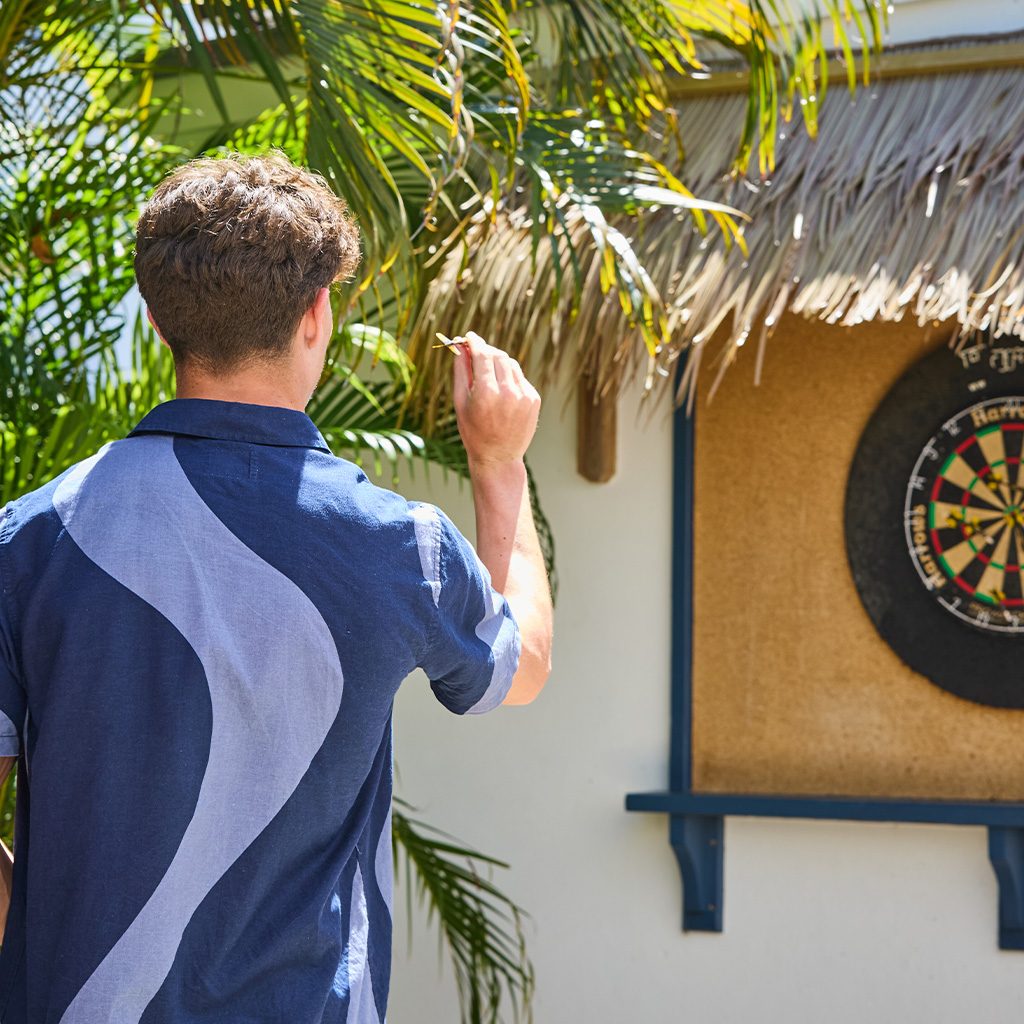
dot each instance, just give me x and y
(483, 361)
(524, 384)
(497, 406)
(505, 374)
(463, 379)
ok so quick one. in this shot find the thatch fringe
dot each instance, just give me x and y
(909, 204)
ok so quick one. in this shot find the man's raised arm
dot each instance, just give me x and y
(497, 409)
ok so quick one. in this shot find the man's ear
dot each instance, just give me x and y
(322, 317)
(156, 327)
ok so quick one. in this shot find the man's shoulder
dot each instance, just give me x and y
(337, 480)
(385, 521)
(31, 526)
(33, 507)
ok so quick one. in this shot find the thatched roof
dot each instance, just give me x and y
(908, 205)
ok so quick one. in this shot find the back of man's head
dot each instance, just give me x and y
(231, 253)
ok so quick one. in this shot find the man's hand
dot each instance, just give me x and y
(497, 410)
(497, 407)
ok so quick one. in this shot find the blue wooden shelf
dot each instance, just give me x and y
(837, 809)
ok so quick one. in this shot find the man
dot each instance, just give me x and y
(202, 630)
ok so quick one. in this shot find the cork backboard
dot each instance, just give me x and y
(794, 692)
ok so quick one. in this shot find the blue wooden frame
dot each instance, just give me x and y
(696, 820)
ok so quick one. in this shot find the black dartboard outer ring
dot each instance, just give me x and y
(973, 663)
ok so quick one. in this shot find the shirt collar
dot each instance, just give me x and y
(232, 421)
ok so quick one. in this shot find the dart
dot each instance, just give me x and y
(448, 343)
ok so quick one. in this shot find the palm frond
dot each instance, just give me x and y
(589, 178)
(69, 192)
(610, 58)
(615, 59)
(481, 928)
(379, 96)
(100, 404)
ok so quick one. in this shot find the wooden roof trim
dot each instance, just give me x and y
(946, 60)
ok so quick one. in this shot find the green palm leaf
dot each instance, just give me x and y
(481, 928)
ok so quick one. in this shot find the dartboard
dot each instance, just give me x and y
(935, 521)
(964, 515)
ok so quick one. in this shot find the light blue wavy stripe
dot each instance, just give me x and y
(10, 741)
(383, 864)
(271, 665)
(362, 1009)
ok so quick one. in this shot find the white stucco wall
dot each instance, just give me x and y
(929, 19)
(824, 921)
(916, 20)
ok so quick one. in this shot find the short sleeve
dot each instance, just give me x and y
(12, 695)
(473, 645)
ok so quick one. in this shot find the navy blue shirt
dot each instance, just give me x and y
(202, 630)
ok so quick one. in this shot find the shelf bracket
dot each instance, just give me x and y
(1006, 851)
(698, 842)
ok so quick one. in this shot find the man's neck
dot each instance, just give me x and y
(257, 386)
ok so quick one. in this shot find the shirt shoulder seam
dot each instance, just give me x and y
(435, 615)
(434, 610)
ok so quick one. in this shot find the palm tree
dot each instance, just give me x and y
(436, 122)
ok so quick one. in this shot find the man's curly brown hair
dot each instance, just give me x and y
(230, 253)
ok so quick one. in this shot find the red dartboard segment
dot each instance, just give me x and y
(963, 586)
